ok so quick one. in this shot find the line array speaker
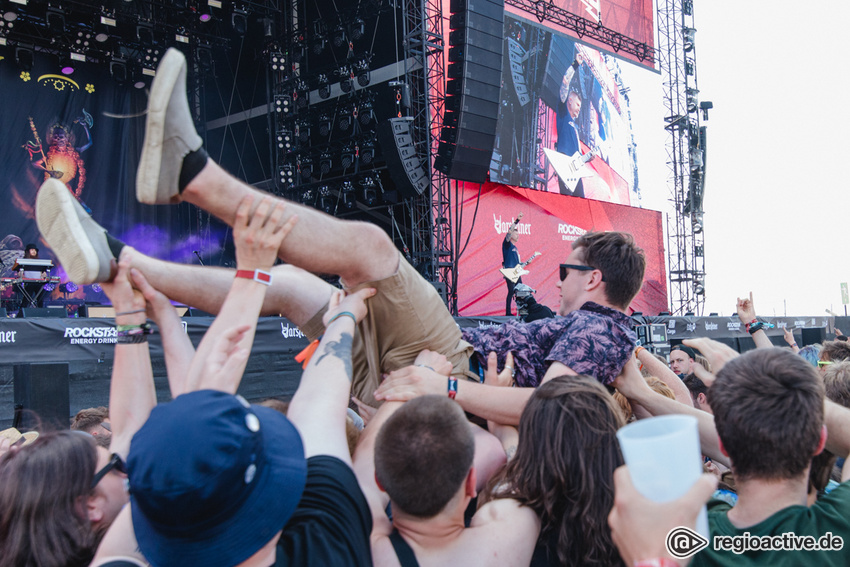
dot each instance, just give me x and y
(476, 43)
(403, 162)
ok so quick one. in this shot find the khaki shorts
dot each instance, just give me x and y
(405, 317)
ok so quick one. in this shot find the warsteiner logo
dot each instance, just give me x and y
(290, 332)
(502, 227)
(91, 335)
(570, 232)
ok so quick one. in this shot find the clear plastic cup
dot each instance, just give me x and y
(664, 458)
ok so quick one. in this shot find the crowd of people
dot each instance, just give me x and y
(476, 447)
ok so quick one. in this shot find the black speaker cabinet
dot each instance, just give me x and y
(42, 395)
(476, 44)
(403, 162)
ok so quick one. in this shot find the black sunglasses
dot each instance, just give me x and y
(565, 267)
(115, 462)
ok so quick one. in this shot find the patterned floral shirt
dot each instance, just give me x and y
(593, 340)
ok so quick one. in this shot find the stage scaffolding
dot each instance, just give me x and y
(685, 156)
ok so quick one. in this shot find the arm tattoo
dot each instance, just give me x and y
(510, 452)
(340, 349)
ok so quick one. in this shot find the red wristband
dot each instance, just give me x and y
(452, 387)
(257, 275)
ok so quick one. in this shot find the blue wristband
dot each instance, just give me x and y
(343, 314)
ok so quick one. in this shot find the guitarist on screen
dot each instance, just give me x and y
(510, 259)
(567, 114)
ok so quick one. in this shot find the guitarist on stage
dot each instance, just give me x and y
(567, 114)
(510, 259)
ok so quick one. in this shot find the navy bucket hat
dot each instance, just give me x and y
(212, 479)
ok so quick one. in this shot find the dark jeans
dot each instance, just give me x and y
(511, 286)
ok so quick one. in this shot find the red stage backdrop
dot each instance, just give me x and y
(632, 18)
(551, 223)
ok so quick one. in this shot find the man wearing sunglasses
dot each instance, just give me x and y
(602, 274)
(597, 282)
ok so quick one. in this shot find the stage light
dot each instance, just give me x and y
(10, 16)
(144, 33)
(324, 125)
(56, 20)
(326, 202)
(205, 17)
(325, 163)
(348, 156)
(302, 94)
(303, 131)
(357, 29)
(180, 37)
(319, 45)
(82, 40)
(285, 140)
(66, 65)
(68, 287)
(369, 191)
(239, 21)
(366, 115)
(21, 2)
(361, 69)
(345, 79)
(299, 52)
(339, 38)
(345, 118)
(688, 35)
(306, 167)
(308, 197)
(691, 98)
(48, 287)
(24, 58)
(118, 70)
(347, 191)
(324, 87)
(283, 103)
(205, 58)
(278, 61)
(367, 153)
(287, 176)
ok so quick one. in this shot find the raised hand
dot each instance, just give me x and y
(354, 303)
(746, 309)
(258, 235)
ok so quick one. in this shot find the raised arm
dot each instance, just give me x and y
(632, 385)
(661, 371)
(837, 421)
(132, 395)
(493, 403)
(747, 315)
(258, 237)
(176, 346)
(318, 407)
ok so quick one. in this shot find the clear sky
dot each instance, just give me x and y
(777, 153)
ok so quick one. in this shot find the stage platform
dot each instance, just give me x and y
(87, 346)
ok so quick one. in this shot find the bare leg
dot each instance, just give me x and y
(358, 252)
(294, 293)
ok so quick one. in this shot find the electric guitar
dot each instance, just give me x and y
(570, 168)
(517, 271)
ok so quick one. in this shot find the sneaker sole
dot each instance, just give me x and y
(168, 75)
(58, 216)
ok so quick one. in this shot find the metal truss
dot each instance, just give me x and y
(584, 28)
(685, 157)
(433, 243)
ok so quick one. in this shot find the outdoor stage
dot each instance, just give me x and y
(87, 346)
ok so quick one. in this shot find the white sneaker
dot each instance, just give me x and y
(78, 242)
(169, 133)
